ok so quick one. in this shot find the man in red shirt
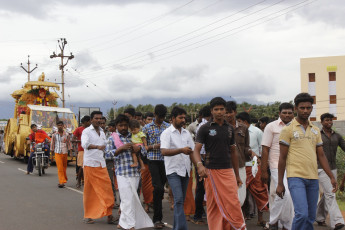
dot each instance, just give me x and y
(37, 136)
(86, 121)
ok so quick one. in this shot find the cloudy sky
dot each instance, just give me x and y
(150, 51)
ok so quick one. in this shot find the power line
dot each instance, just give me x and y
(140, 26)
(162, 27)
(226, 35)
(186, 34)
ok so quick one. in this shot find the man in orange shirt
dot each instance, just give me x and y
(37, 136)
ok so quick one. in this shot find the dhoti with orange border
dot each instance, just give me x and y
(258, 189)
(189, 203)
(98, 196)
(223, 206)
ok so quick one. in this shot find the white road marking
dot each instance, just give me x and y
(22, 170)
(74, 190)
(168, 225)
(2, 162)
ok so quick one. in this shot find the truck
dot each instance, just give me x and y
(36, 103)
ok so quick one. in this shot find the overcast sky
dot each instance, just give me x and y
(130, 50)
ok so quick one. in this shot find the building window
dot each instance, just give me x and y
(312, 118)
(311, 77)
(332, 76)
(332, 99)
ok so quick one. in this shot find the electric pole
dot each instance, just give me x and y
(62, 43)
(114, 103)
(28, 70)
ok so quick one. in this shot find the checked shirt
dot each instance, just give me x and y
(153, 134)
(124, 159)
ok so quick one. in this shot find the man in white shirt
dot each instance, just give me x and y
(98, 194)
(176, 146)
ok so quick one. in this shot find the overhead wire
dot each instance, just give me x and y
(142, 25)
(162, 27)
(246, 28)
(189, 33)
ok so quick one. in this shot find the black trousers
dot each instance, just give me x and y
(157, 170)
(199, 197)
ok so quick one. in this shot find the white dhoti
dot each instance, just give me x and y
(328, 202)
(132, 212)
(281, 210)
(242, 191)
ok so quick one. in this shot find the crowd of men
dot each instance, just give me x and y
(241, 170)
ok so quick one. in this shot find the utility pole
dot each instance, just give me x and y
(62, 43)
(114, 103)
(28, 70)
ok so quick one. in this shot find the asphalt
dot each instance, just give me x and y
(31, 202)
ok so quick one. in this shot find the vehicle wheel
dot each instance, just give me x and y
(39, 166)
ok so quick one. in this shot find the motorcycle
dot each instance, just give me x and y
(40, 161)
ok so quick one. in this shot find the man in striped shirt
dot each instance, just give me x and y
(61, 146)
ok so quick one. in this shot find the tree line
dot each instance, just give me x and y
(256, 111)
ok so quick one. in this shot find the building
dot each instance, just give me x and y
(324, 79)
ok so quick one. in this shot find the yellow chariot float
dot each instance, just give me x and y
(36, 104)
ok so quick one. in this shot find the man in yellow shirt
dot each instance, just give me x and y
(300, 149)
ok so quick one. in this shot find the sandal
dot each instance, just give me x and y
(112, 220)
(119, 227)
(198, 222)
(339, 226)
(321, 223)
(89, 221)
(265, 225)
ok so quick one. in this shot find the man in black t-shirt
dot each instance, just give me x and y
(220, 171)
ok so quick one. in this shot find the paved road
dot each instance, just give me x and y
(31, 202)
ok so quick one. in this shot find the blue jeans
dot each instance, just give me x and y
(304, 194)
(179, 186)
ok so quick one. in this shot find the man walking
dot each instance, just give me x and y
(221, 170)
(176, 146)
(77, 138)
(300, 149)
(242, 144)
(328, 203)
(98, 196)
(281, 210)
(153, 132)
(255, 186)
(61, 146)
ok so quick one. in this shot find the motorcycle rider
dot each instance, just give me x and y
(37, 136)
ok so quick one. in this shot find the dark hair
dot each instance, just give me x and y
(138, 114)
(264, 120)
(134, 124)
(120, 118)
(206, 111)
(148, 114)
(59, 123)
(217, 101)
(177, 111)
(33, 125)
(303, 97)
(95, 113)
(105, 119)
(231, 106)
(285, 105)
(326, 115)
(244, 116)
(85, 119)
(112, 123)
(130, 111)
(161, 110)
